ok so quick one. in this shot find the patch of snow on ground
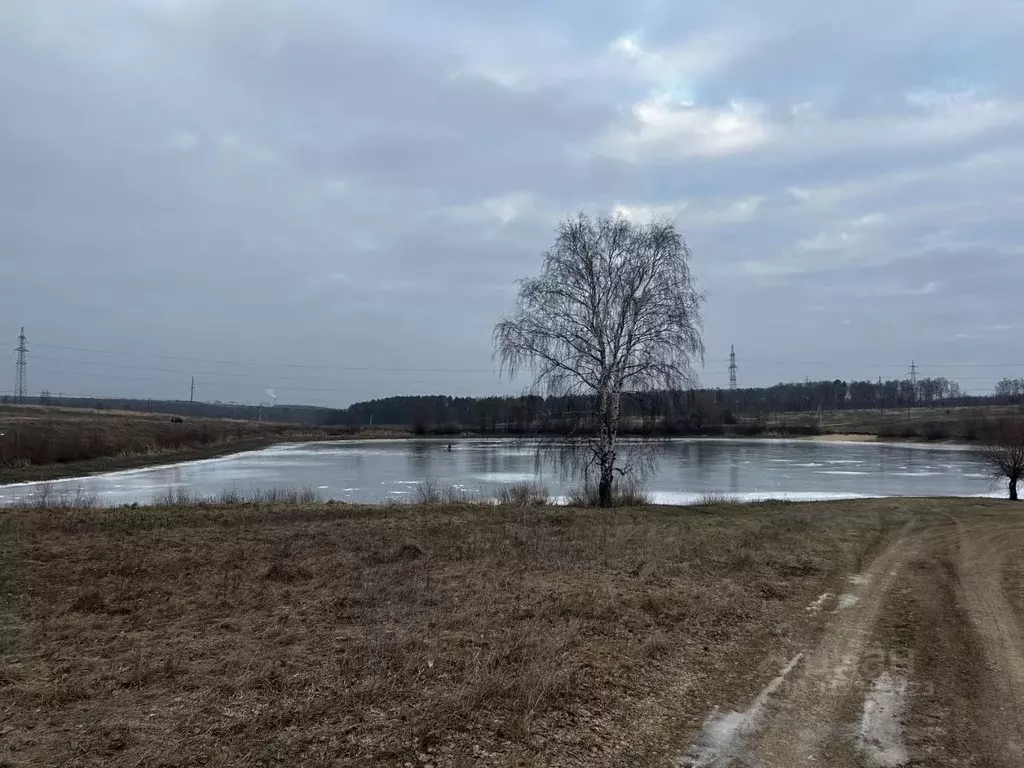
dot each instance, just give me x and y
(724, 734)
(880, 736)
(819, 603)
(846, 601)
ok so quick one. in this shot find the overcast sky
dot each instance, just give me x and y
(337, 196)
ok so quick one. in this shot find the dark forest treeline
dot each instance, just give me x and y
(693, 411)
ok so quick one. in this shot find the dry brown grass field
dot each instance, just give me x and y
(926, 424)
(451, 636)
(332, 635)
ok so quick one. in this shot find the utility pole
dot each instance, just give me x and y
(192, 391)
(732, 367)
(913, 386)
(22, 376)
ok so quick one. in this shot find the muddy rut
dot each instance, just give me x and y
(921, 662)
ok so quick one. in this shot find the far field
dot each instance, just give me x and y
(42, 443)
(925, 424)
(463, 636)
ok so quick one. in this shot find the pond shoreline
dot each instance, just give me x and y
(110, 464)
(389, 471)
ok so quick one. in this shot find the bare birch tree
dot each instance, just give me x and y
(615, 310)
(1003, 449)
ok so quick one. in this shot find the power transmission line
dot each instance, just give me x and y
(22, 376)
(162, 395)
(250, 375)
(237, 374)
(209, 377)
(202, 376)
(389, 369)
(268, 365)
(107, 375)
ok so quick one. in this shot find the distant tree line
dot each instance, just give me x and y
(1010, 392)
(685, 412)
(691, 411)
(840, 395)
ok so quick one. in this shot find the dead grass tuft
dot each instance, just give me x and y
(655, 646)
(405, 553)
(90, 601)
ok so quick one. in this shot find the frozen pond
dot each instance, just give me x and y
(374, 471)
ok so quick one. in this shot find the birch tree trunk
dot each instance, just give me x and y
(609, 433)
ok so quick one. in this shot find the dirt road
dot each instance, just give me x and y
(920, 663)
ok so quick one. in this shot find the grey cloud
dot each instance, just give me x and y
(191, 178)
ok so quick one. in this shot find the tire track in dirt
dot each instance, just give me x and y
(821, 697)
(925, 638)
(980, 566)
(795, 725)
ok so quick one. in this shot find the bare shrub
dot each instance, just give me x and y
(179, 497)
(431, 493)
(232, 497)
(268, 496)
(523, 495)
(58, 496)
(428, 492)
(624, 494)
(1003, 449)
(714, 498)
(629, 493)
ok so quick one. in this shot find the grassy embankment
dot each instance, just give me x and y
(452, 636)
(42, 443)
